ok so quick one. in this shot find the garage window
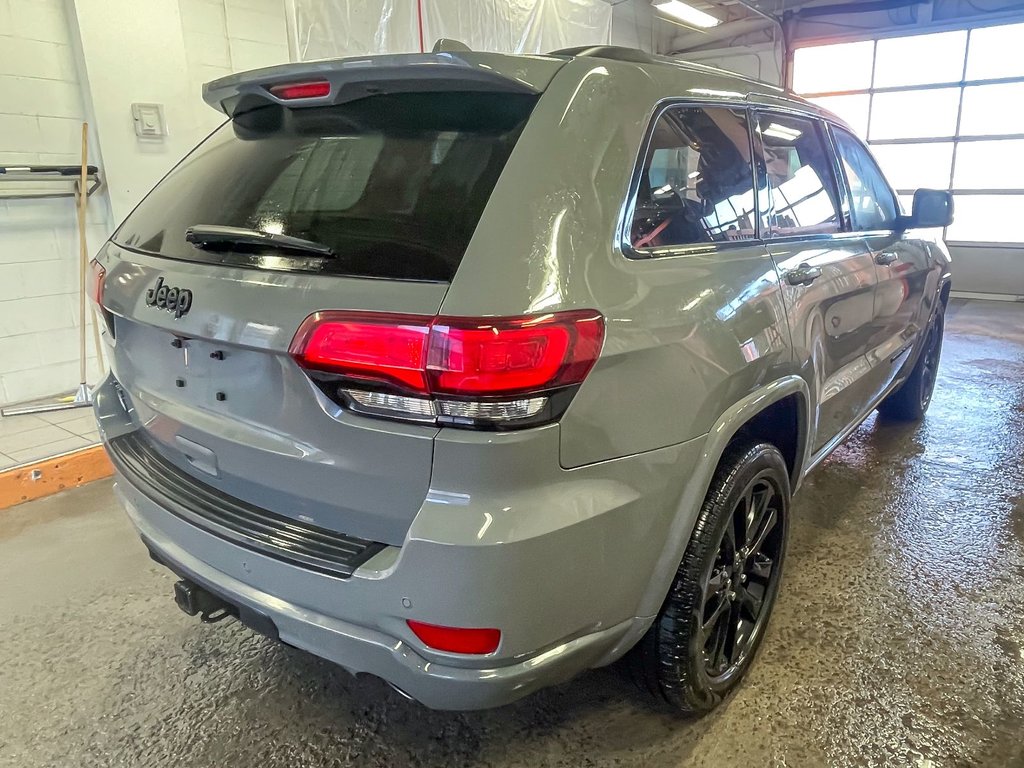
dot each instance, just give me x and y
(928, 107)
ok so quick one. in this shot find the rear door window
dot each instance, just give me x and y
(802, 197)
(394, 184)
(696, 183)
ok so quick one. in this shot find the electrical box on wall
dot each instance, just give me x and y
(149, 121)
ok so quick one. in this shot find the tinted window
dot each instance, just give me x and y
(697, 184)
(394, 184)
(872, 201)
(801, 194)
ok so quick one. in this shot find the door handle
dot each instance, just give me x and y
(885, 258)
(804, 274)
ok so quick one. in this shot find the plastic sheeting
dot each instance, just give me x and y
(331, 28)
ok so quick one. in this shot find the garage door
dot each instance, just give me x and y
(940, 110)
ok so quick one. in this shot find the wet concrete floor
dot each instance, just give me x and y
(898, 639)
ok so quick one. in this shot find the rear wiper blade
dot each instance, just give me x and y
(211, 236)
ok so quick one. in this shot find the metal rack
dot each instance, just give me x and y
(46, 181)
(79, 181)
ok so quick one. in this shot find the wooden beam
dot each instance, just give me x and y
(42, 478)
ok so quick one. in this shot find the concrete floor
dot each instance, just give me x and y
(898, 638)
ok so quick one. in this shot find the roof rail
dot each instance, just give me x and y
(615, 52)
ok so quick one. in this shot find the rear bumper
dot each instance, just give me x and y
(357, 648)
(570, 565)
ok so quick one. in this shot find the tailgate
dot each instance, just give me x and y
(218, 395)
(362, 202)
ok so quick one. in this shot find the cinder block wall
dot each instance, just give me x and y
(41, 112)
(43, 100)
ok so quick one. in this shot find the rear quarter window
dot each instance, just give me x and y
(696, 183)
(394, 184)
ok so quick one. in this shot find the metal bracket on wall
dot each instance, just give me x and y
(79, 182)
(25, 182)
(82, 398)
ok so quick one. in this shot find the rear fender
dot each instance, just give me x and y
(716, 442)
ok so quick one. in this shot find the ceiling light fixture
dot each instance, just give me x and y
(686, 13)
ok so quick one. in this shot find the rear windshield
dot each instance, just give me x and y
(394, 184)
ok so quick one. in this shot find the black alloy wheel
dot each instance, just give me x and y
(717, 609)
(930, 361)
(911, 399)
(743, 577)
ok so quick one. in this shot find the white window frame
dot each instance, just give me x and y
(957, 138)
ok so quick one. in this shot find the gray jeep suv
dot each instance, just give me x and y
(473, 371)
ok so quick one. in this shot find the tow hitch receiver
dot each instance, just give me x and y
(193, 600)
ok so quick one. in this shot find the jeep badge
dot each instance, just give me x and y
(175, 300)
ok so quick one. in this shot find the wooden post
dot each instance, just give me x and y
(83, 255)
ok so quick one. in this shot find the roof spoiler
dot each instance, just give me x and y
(338, 81)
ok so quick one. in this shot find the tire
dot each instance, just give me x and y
(911, 399)
(677, 660)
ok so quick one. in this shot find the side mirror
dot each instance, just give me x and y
(932, 209)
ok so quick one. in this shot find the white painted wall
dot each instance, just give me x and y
(761, 62)
(135, 52)
(65, 61)
(41, 113)
(225, 36)
(162, 51)
(328, 28)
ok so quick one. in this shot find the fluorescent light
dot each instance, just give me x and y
(782, 132)
(686, 13)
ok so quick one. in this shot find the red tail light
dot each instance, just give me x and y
(94, 282)
(512, 355)
(403, 359)
(311, 90)
(456, 639)
(366, 345)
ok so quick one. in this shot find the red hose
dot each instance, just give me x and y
(419, 22)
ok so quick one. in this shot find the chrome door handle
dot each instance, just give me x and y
(885, 258)
(804, 274)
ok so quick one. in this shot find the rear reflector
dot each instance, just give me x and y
(456, 639)
(313, 90)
